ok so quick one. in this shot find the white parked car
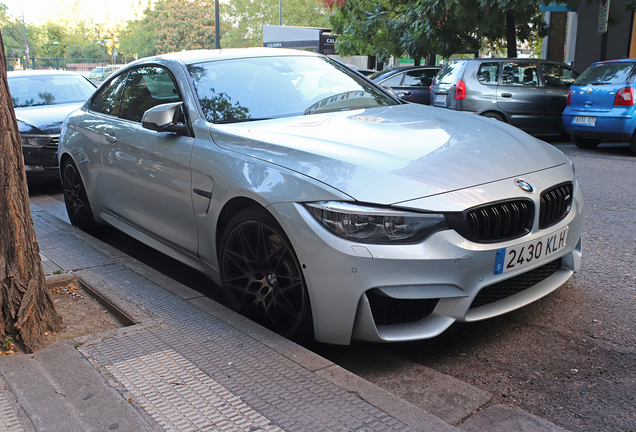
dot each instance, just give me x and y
(323, 205)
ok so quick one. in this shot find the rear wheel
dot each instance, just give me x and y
(75, 198)
(262, 278)
(632, 143)
(494, 115)
(585, 143)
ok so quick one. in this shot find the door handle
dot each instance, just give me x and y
(506, 95)
(112, 139)
(407, 93)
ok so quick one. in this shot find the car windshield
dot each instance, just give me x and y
(607, 73)
(270, 87)
(37, 90)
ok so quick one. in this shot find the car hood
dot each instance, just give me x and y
(392, 154)
(46, 119)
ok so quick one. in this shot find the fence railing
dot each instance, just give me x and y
(82, 66)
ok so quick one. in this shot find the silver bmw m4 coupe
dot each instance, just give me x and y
(321, 204)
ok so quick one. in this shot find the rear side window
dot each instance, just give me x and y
(556, 75)
(608, 73)
(394, 81)
(449, 73)
(520, 74)
(419, 78)
(488, 73)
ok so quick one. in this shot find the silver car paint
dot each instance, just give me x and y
(336, 149)
(281, 163)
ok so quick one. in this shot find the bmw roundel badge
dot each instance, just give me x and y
(524, 185)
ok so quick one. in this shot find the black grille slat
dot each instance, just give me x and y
(515, 285)
(390, 311)
(495, 222)
(555, 205)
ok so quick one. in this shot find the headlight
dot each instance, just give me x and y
(375, 224)
(35, 140)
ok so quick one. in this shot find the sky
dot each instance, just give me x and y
(105, 11)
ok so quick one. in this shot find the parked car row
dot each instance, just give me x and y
(537, 96)
(325, 206)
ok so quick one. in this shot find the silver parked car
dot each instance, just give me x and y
(527, 93)
(323, 205)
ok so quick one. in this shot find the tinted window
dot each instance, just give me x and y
(107, 99)
(147, 87)
(48, 90)
(449, 73)
(488, 73)
(556, 75)
(520, 74)
(609, 73)
(394, 81)
(268, 87)
(419, 78)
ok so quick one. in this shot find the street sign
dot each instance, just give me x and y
(603, 14)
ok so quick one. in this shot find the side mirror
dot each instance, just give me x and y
(164, 118)
(389, 89)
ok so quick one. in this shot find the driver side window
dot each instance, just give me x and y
(147, 87)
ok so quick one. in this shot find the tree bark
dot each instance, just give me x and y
(26, 309)
(511, 35)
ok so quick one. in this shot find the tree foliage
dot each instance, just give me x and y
(247, 17)
(417, 27)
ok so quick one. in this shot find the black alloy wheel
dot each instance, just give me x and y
(77, 206)
(262, 278)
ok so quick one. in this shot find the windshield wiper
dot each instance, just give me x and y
(599, 83)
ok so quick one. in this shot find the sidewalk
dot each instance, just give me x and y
(190, 364)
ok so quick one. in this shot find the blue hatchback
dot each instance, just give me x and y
(600, 104)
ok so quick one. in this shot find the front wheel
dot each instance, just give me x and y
(584, 143)
(75, 198)
(262, 278)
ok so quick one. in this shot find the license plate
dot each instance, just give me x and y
(590, 121)
(526, 254)
(440, 98)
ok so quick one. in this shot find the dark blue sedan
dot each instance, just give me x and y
(42, 100)
(411, 83)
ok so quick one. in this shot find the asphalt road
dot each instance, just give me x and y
(569, 358)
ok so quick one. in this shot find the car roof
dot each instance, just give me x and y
(39, 72)
(630, 60)
(200, 56)
(502, 59)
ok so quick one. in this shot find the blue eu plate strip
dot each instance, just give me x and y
(500, 261)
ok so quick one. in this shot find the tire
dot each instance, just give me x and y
(584, 143)
(632, 143)
(495, 116)
(262, 278)
(75, 198)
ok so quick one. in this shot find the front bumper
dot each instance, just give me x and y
(438, 279)
(41, 164)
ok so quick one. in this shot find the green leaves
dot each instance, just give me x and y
(416, 28)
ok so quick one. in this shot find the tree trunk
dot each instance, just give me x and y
(26, 309)
(511, 35)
